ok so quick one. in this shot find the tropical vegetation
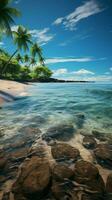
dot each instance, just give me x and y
(27, 61)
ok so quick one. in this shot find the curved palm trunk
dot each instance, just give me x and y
(5, 66)
(41, 60)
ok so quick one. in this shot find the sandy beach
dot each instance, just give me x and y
(13, 88)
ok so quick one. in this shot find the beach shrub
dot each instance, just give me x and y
(13, 68)
(42, 72)
(25, 73)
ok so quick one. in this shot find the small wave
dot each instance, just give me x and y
(106, 93)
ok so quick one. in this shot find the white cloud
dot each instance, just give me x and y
(107, 73)
(42, 36)
(62, 60)
(82, 12)
(83, 72)
(61, 71)
(58, 21)
(64, 71)
(100, 78)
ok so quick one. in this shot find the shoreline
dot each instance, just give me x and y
(9, 90)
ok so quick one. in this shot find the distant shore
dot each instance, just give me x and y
(54, 80)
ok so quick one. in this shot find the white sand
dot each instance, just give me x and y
(12, 87)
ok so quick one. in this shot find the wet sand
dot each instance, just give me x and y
(12, 88)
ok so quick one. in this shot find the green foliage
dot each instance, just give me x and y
(15, 71)
(42, 72)
(7, 15)
(32, 61)
(9, 64)
(37, 51)
(22, 38)
(25, 73)
(13, 67)
(19, 58)
(26, 58)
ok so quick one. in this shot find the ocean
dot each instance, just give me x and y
(50, 104)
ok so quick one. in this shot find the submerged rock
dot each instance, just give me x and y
(3, 162)
(103, 153)
(62, 132)
(64, 191)
(85, 132)
(109, 184)
(109, 187)
(80, 119)
(64, 152)
(61, 172)
(89, 142)
(88, 175)
(29, 131)
(33, 179)
(37, 120)
(99, 135)
(3, 159)
(93, 197)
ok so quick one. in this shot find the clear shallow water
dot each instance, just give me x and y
(54, 103)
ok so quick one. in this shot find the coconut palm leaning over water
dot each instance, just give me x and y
(7, 15)
(22, 39)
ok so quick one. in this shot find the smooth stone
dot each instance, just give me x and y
(99, 135)
(63, 191)
(61, 172)
(62, 132)
(3, 159)
(103, 153)
(29, 131)
(109, 183)
(2, 179)
(39, 151)
(87, 174)
(19, 154)
(64, 152)
(93, 197)
(3, 162)
(89, 142)
(85, 133)
(33, 179)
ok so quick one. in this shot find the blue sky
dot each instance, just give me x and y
(76, 36)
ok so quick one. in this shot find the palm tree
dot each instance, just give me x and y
(33, 61)
(36, 50)
(19, 58)
(22, 40)
(26, 58)
(7, 14)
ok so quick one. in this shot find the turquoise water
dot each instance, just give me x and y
(48, 104)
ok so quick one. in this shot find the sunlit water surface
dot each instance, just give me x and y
(48, 104)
